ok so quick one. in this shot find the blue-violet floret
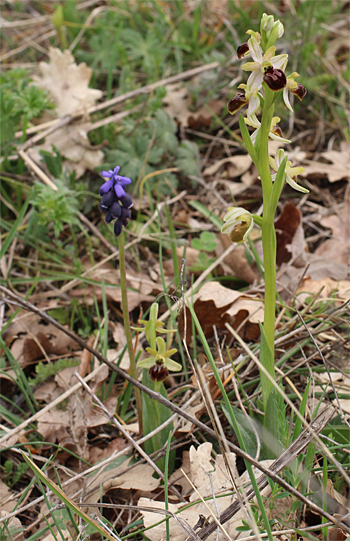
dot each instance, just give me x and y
(115, 202)
(116, 181)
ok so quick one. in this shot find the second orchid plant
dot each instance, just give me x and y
(267, 82)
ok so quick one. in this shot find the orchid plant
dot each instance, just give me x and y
(267, 82)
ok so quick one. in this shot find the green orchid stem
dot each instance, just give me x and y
(269, 244)
(133, 370)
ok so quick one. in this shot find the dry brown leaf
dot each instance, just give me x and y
(338, 169)
(203, 117)
(178, 102)
(201, 465)
(235, 166)
(337, 249)
(215, 304)
(97, 454)
(236, 261)
(31, 338)
(140, 477)
(69, 426)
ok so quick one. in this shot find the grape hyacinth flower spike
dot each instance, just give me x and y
(115, 201)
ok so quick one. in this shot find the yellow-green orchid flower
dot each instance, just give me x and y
(160, 361)
(291, 172)
(275, 131)
(296, 88)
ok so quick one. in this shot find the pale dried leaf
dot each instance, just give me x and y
(201, 465)
(67, 82)
(7, 498)
(344, 404)
(340, 289)
(14, 526)
(139, 478)
(235, 166)
(338, 169)
(73, 143)
(177, 103)
(337, 249)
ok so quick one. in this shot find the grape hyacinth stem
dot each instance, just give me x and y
(133, 370)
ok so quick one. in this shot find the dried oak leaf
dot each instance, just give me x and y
(216, 305)
(338, 169)
(286, 226)
(234, 166)
(177, 104)
(31, 338)
(200, 464)
(68, 84)
(337, 249)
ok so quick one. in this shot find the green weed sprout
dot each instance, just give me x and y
(266, 84)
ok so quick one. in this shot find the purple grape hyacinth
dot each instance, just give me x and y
(116, 181)
(115, 201)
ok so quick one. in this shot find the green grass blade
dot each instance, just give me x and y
(15, 226)
(62, 496)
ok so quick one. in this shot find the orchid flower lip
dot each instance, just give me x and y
(275, 78)
(242, 50)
